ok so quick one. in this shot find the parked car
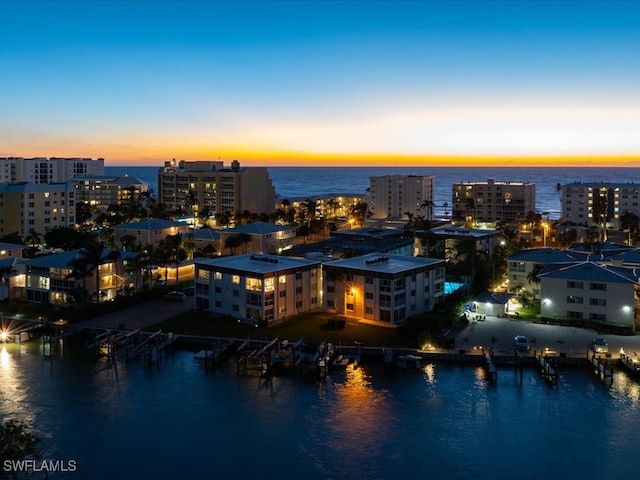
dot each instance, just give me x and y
(175, 296)
(599, 345)
(522, 343)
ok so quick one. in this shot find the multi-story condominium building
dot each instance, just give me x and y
(523, 265)
(11, 250)
(330, 205)
(401, 196)
(209, 185)
(101, 191)
(384, 288)
(447, 238)
(29, 208)
(492, 201)
(583, 203)
(589, 291)
(258, 289)
(257, 237)
(359, 241)
(47, 170)
(49, 278)
(149, 231)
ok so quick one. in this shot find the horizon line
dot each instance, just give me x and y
(381, 160)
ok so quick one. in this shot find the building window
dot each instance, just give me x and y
(203, 275)
(349, 307)
(330, 303)
(572, 299)
(282, 279)
(236, 293)
(269, 284)
(602, 287)
(235, 279)
(368, 295)
(217, 275)
(368, 280)
(368, 310)
(254, 284)
(599, 302)
(236, 308)
(571, 284)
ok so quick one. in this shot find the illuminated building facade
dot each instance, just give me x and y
(257, 289)
(383, 287)
(485, 203)
(396, 197)
(211, 186)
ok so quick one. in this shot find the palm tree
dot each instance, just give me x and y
(135, 265)
(188, 245)
(599, 210)
(427, 206)
(445, 205)
(231, 243)
(88, 262)
(532, 276)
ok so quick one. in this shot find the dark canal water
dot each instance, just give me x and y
(177, 421)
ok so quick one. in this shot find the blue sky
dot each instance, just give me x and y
(313, 81)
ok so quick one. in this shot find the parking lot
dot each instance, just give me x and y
(569, 340)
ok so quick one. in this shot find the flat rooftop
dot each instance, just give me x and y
(256, 263)
(378, 262)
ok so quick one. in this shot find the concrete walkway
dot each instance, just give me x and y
(569, 340)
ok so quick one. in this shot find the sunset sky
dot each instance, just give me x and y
(319, 82)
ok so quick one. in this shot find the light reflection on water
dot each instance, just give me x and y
(445, 421)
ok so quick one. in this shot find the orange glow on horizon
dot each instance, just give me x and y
(293, 159)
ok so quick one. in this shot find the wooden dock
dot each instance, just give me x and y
(490, 368)
(601, 369)
(630, 363)
(547, 369)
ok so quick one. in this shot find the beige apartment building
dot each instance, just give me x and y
(47, 170)
(101, 191)
(29, 208)
(210, 185)
(485, 203)
(395, 197)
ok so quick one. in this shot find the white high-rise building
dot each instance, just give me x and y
(396, 197)
(616, 199)
(47, 170)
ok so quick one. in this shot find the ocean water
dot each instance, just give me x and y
(305, 181)
(126, 421)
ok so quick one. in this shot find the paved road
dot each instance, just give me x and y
(569, 340)
(142, 315)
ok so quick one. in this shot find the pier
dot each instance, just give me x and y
(547, 369)
(492, 372)
(603, 371)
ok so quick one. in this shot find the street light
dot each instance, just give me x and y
(545, 227)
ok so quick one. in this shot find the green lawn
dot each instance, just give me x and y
(311, 326)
